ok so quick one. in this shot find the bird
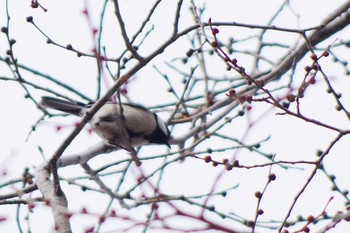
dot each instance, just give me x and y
(123, 125)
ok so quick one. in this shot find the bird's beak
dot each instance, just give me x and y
(167, 144)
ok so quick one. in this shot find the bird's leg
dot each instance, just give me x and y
(127, 141)
(134, 157)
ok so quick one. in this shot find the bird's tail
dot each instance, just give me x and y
(62, 105)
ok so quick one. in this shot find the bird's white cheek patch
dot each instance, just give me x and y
(162, 126)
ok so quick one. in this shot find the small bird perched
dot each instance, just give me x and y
(136, 125)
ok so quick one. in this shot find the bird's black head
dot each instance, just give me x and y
(161, 134)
